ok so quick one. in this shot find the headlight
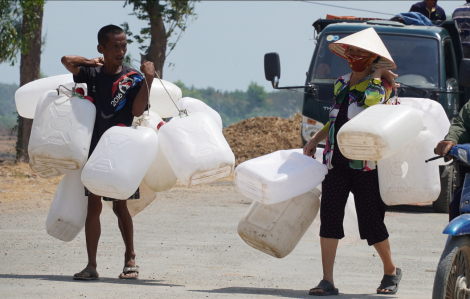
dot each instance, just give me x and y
(310, 127)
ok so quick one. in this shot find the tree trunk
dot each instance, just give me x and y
(29, 71)
(157, 48)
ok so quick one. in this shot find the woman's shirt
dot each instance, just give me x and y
(363, 94)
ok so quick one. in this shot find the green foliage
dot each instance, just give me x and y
(234, 106)
(175, 13)
(14, 37)
(7, 106)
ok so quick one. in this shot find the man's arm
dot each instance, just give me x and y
(142, 97)
(459, 132)
(72, 63)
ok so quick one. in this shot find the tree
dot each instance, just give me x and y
(20, 33)
(174, 13)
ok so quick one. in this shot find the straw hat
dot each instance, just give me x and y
(368, 40)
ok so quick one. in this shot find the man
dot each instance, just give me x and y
(462, 16)
(458, 134)
(118, 97)
(430, 10)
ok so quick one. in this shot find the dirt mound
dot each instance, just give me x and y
(259, 136)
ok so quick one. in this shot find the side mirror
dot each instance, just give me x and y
(272, 68)
(464, 73)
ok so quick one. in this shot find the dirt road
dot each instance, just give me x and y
(187, 247)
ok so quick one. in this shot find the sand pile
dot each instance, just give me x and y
(259, 136)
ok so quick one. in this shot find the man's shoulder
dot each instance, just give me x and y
(420, 5)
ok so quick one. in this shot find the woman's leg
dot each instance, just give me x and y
(371, 214)
(335, 192)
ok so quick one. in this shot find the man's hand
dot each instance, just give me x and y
(148, 69)
(444, 147)
(99, 61)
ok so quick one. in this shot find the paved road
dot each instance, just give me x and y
(188, 247)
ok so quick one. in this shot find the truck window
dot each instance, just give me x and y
(414, 56)
(449, 58)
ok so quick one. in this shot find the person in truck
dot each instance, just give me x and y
(369, 83)
(462, 16)
(430, 10)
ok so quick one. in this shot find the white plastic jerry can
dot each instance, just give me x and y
(194, 105)
(196, 149)
(160, 176)
(119, 162)
(279, 176)
(160, 102)
(276, 229)
(379, 132)
(68, 211)
(435, 118)
(135, 206)
(27, 96)
(405, 178)
(61, 131)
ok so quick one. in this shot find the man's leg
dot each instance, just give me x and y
(454, 206)
(127, 231)
(92, 233)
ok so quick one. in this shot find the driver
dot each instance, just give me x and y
(459, 133)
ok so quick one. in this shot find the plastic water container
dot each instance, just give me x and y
(350, 224)
(196, 149)
(405, 178)
(135, 206)
(159, 176)
(276, 229)
(27, 96)
(435, 117)
(160, 102)
(279, 176)
(379, 132)
(68, 211)
(194, 105)
(61, 131)
(120, 160)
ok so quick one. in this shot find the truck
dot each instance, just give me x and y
(430, 64)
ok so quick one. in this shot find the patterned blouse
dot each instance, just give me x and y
(365, 93)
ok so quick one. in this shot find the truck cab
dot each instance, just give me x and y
(428, 60)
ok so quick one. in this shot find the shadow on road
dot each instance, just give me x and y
(286, 293)
(412, 209)
(68, 278)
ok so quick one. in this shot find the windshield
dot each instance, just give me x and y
(416, 59)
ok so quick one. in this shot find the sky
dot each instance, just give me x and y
(222, 48)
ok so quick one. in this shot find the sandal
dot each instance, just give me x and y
(127, 270)
(327, 288)
(390, 283)
(93, 275)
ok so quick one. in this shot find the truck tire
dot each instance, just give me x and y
(453, 270)
(448, 180)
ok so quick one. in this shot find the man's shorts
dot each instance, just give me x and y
(136, 195)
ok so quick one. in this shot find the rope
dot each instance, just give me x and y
(180, 112)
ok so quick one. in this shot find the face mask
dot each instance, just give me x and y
(360, 63)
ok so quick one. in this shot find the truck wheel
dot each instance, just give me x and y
(448, 179)
(453, 270)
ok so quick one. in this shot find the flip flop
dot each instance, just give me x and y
(327, 288)
(126, 270)
(92, 276)
(390, 283)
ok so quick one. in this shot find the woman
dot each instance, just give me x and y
(367, 85)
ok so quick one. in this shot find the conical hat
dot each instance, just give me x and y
(368, 40)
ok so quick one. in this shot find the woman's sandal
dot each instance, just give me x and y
(327, 288)
(390, 283)
(93, 275)
(127, 270)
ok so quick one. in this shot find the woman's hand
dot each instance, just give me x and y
(311, 147)
(386, 75)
